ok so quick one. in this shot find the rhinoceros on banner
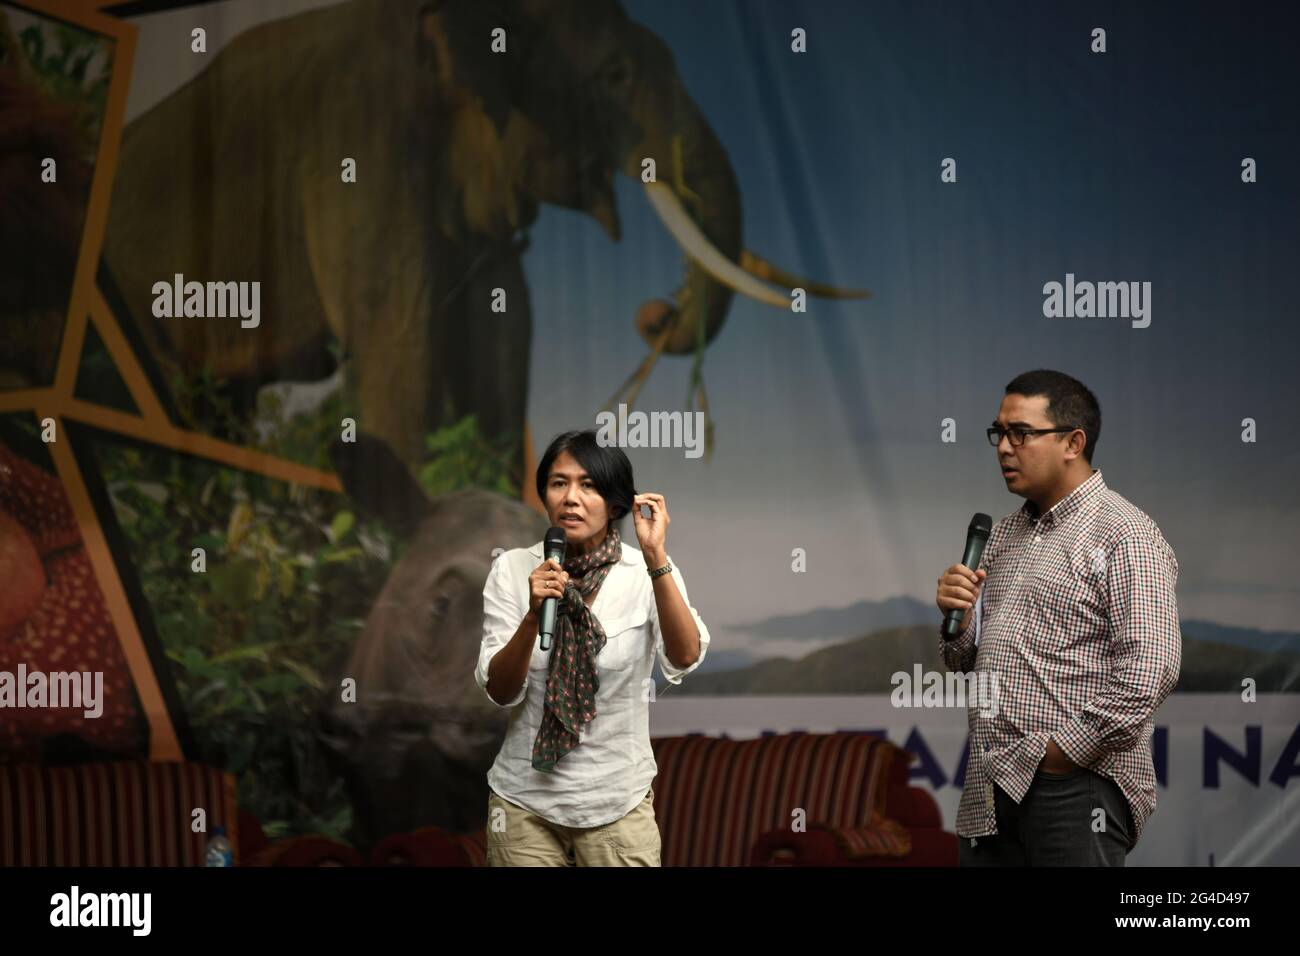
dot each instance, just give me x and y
(416, 745)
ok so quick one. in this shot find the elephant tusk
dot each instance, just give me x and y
(698, 247)
(740, 277)
(758, 266)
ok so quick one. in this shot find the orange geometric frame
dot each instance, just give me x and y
(59, 402)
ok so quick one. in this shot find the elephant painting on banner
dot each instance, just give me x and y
(238, 176)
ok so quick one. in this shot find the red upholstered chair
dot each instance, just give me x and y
(430, 846)
(722, 802)
(474, 846)
(310, 850)
(252, 839)
(126, 813)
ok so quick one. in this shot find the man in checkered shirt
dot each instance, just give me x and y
(1073, 610)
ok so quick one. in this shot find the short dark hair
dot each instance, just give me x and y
(1069, 403)
(609, 468)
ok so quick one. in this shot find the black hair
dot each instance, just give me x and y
(1069, 403)
(608, 467)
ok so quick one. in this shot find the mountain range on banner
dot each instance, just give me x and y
(895, 633)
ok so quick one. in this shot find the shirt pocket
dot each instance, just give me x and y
(1088, 579)
(1069, 593)
(626, 638)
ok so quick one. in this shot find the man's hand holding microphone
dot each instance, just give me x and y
(959, 588)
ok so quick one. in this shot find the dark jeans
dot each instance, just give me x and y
(1054, 824)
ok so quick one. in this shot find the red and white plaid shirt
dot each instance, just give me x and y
(1079, 622)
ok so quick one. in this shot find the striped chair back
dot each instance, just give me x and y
(714, 797)
(128, 813)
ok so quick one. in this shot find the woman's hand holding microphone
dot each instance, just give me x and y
(548, 580)
(509, 667)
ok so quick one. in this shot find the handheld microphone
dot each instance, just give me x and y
(977, 535)
(553, 548)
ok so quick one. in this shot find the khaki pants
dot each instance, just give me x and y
(516, 837)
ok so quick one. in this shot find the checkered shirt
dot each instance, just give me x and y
(1079, 622)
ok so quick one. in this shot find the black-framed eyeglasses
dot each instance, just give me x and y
(1017, 435)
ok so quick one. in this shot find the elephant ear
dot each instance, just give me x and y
(456, 38)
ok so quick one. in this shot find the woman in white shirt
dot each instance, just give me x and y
(571, 783)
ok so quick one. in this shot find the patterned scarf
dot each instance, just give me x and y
(572, 682)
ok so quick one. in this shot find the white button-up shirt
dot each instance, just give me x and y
(611, 769)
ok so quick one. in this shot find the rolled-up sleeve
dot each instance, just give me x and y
(502, 613)
(671, 671)
(1145, 651)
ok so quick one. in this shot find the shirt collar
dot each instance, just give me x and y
(629, 555)
(1071, 503)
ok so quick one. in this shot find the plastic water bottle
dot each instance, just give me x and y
(217, 852)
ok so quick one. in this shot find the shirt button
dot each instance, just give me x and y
(973, 841)
(1037, 538)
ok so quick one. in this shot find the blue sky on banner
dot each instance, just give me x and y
(1116, 167)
